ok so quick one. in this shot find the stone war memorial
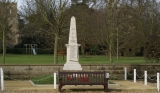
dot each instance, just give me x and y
(72, 73)
(72, 49)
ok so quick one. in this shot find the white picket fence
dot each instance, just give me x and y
(2, 79)
(145, 77)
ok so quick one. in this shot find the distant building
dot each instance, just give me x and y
(13, 34)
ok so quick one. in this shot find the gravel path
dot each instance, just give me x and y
(79, 91)
(24, 88)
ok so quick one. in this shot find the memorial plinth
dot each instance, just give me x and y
(72, 62)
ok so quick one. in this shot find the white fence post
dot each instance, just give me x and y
(125, 73)
(134, 75)
(158, 81)
(55, 83)
(2, 79)
(145, 77)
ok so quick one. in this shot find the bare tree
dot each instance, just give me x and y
(52, 13)
(107, 25)
(142, 21)
(152, 50)
(84, 18)
(7, 16)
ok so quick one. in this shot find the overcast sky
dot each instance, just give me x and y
(20, 2)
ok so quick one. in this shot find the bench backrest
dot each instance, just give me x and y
(83, 78)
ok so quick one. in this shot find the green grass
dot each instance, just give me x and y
(48, 79)
(105, 60)
(30, 59)
(48, 59)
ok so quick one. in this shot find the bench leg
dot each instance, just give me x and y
(60, 88)
(106, 88)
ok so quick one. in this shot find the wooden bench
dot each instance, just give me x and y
(82, 78)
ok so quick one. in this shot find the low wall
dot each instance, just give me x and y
(30, 71)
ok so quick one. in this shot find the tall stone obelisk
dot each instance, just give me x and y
(72, 49)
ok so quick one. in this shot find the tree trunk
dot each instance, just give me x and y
(110, 51)
(4, 48)
(56, 49)
(83, 49)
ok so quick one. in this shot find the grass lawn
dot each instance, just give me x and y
(47, 79)
(48, 59)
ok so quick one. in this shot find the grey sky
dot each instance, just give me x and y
(20, 2)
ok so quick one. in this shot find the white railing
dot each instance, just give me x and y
(2, 79)
(55, 81)
(134, 76)
(158, 81)
(145, 77)
(125, 73)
